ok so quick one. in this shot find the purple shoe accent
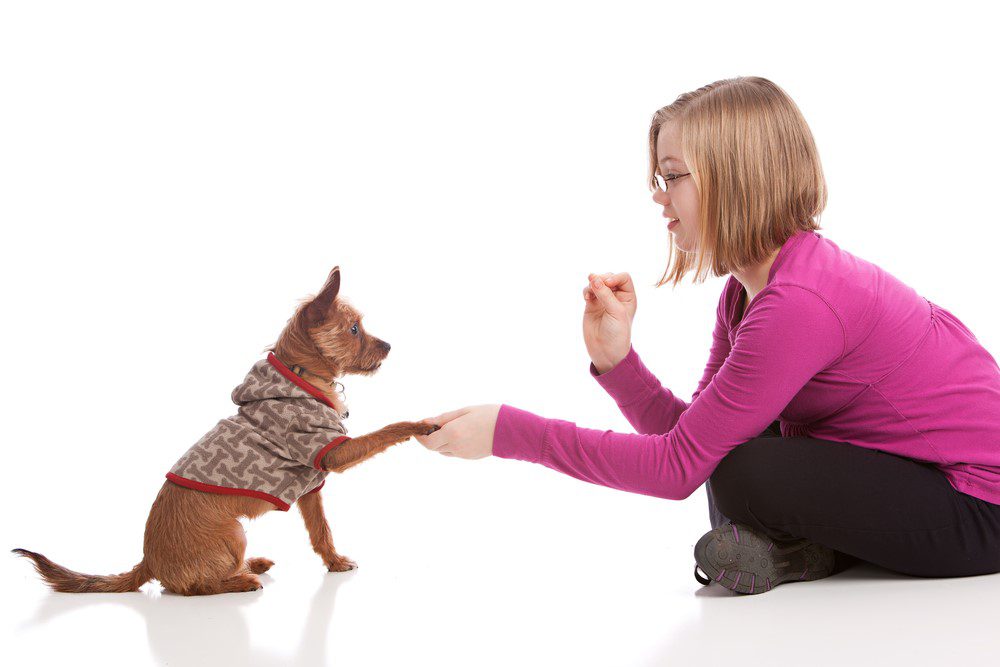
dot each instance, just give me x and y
(769, 547)
(768, 584)
(736, 533)
(719, 578)
(803, 574)
(738, 575)
(752, 582)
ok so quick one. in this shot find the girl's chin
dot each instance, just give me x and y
(681, 244)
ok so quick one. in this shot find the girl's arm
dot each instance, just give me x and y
(789, 336)
(647, 405)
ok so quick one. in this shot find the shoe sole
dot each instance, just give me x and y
(747, 563)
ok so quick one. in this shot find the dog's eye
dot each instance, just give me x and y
(354, 330)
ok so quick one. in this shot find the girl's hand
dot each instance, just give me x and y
(466, 433)
(607, 318)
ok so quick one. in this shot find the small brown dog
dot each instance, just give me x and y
(287, 437)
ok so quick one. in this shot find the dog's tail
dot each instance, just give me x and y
(68, 581)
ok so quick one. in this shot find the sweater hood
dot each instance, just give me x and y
(271, 379)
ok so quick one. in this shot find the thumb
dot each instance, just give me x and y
(443, 419)
(607, 298)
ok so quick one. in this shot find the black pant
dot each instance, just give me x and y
(865, 504)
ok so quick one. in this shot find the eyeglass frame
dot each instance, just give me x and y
(667, 181)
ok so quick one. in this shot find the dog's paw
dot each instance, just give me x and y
(259, 565)
(430, 428)
(245, 584)
(341, 564)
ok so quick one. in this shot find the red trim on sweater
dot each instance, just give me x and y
(317, 488)
(318, 461)
(287, 372)
(211, 488)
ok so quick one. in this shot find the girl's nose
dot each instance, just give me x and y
(660, 197)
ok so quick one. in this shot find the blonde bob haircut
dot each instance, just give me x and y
(755, 166)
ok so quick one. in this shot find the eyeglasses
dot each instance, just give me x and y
(664, 183)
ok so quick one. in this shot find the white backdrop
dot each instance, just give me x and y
(175, 176)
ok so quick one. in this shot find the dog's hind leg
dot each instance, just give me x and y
(241, 582)
(235, 576)
(311, 507)
(197, 545)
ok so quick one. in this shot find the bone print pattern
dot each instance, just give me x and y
(269, 448)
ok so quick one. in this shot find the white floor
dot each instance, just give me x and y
(580, 579)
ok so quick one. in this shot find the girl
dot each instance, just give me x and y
(840, 416)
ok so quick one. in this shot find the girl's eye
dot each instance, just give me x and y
(671, 177)
(354, 330)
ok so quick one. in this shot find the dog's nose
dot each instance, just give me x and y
(386, 346)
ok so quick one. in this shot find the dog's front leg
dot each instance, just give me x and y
(354, 451)
(311, 507)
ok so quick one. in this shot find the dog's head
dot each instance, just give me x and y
(326, 335)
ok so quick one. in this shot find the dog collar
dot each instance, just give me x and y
(295, 375)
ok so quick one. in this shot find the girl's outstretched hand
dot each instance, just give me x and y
(607, 318)
(466, 433)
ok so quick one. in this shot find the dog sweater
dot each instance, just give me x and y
(273, 448)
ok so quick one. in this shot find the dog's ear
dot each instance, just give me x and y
(321, 307)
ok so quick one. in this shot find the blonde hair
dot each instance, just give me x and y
(757, 171)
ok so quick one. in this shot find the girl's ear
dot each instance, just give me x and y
(321, 307)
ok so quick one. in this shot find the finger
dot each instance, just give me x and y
(591, 304)
(608, 300)
(443, 419)
(621, 282)
(588, 294)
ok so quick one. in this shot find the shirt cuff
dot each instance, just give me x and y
(629, 381)
(519, 434)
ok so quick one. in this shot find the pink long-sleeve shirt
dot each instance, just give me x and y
(833, 346)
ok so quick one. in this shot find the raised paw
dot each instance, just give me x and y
(341, 564)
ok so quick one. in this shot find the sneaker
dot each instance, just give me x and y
(743, 560)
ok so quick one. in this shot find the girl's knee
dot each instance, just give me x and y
(742, 475)
(744, 461)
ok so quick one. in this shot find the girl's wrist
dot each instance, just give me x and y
(606, 365)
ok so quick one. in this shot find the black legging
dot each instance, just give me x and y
(888, 510)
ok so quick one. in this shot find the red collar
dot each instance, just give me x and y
(287, 372)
